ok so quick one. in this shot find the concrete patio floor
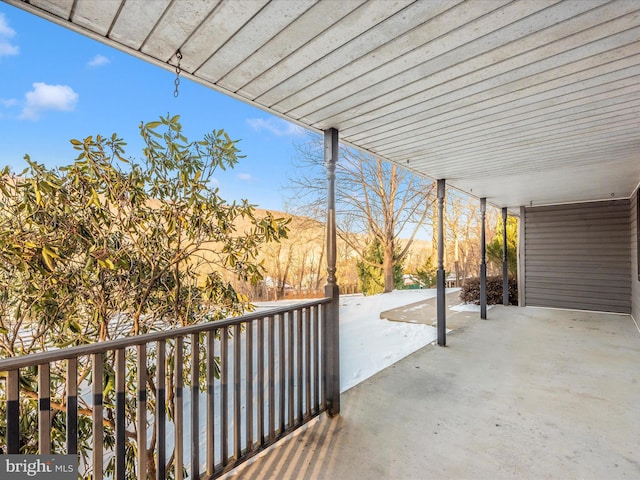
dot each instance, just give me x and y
(529, 393)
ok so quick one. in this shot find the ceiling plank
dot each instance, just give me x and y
(136, 22)
(403, 60)
(318, 59)
(260, 29)
(60, 8)
(519, 60)
(96, 16)
(309, 25)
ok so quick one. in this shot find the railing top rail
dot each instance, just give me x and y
(40, 358)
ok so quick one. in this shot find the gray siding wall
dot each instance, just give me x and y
(578, 256)
(635, 284)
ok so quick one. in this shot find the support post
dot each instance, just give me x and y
(483, 261)
(440, 280)
(331, 289)
(457, 258)
(505, 260)
(521, 259)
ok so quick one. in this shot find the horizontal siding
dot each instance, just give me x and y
(571, 271)
(561, 253)
(578, 256)
(621, 285)
(570, 222)
(558, 295)
(588, 303)
(599, 236)
(594, 306)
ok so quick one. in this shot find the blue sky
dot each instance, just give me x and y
(56, 85)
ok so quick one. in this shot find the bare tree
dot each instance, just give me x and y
(308, 271)
(374, 200)
(296, 264)
(462, 229)
(462, 233)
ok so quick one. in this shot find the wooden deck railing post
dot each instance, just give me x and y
(13, 412)
(72, 406)
(331, 289)
(121, 400)
(97, 388)
(44, 409)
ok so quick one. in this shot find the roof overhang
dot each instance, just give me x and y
(522, 102)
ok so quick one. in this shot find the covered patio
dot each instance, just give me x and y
(531, 393)
(530, 106)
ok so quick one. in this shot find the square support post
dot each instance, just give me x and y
(505, 260)
(440, 280)
(331, 289)
(483, 259)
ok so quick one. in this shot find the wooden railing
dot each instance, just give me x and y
(190, 402)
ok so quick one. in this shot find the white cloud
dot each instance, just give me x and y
(48, 97)
(7, 49)
(6, 32)
(245, 177)
(8, 102)
(5, 29)
(278, 127)
(98, 61)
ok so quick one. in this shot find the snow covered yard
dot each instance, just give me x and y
(369, 344)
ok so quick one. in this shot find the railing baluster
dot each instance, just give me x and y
(97, 415)
(282, 382)
(290, 371)
(307, 362)
(161, 411)
(44, 409)
(272, 381)
(224, 396)
(121, 439)
(299, 314)
(195, 405)
(237, 397)
(316, 359)
(141, 410)
(211, 365)
(178, 412)
(72, 406)
(323, 355)
(249, 387)
(13, 411)
(261, 385)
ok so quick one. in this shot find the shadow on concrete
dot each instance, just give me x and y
(425, 312)
(528, 393)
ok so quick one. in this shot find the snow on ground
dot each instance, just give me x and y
(369, 344)
(468, 307)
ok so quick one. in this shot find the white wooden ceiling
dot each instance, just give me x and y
(523, 102)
